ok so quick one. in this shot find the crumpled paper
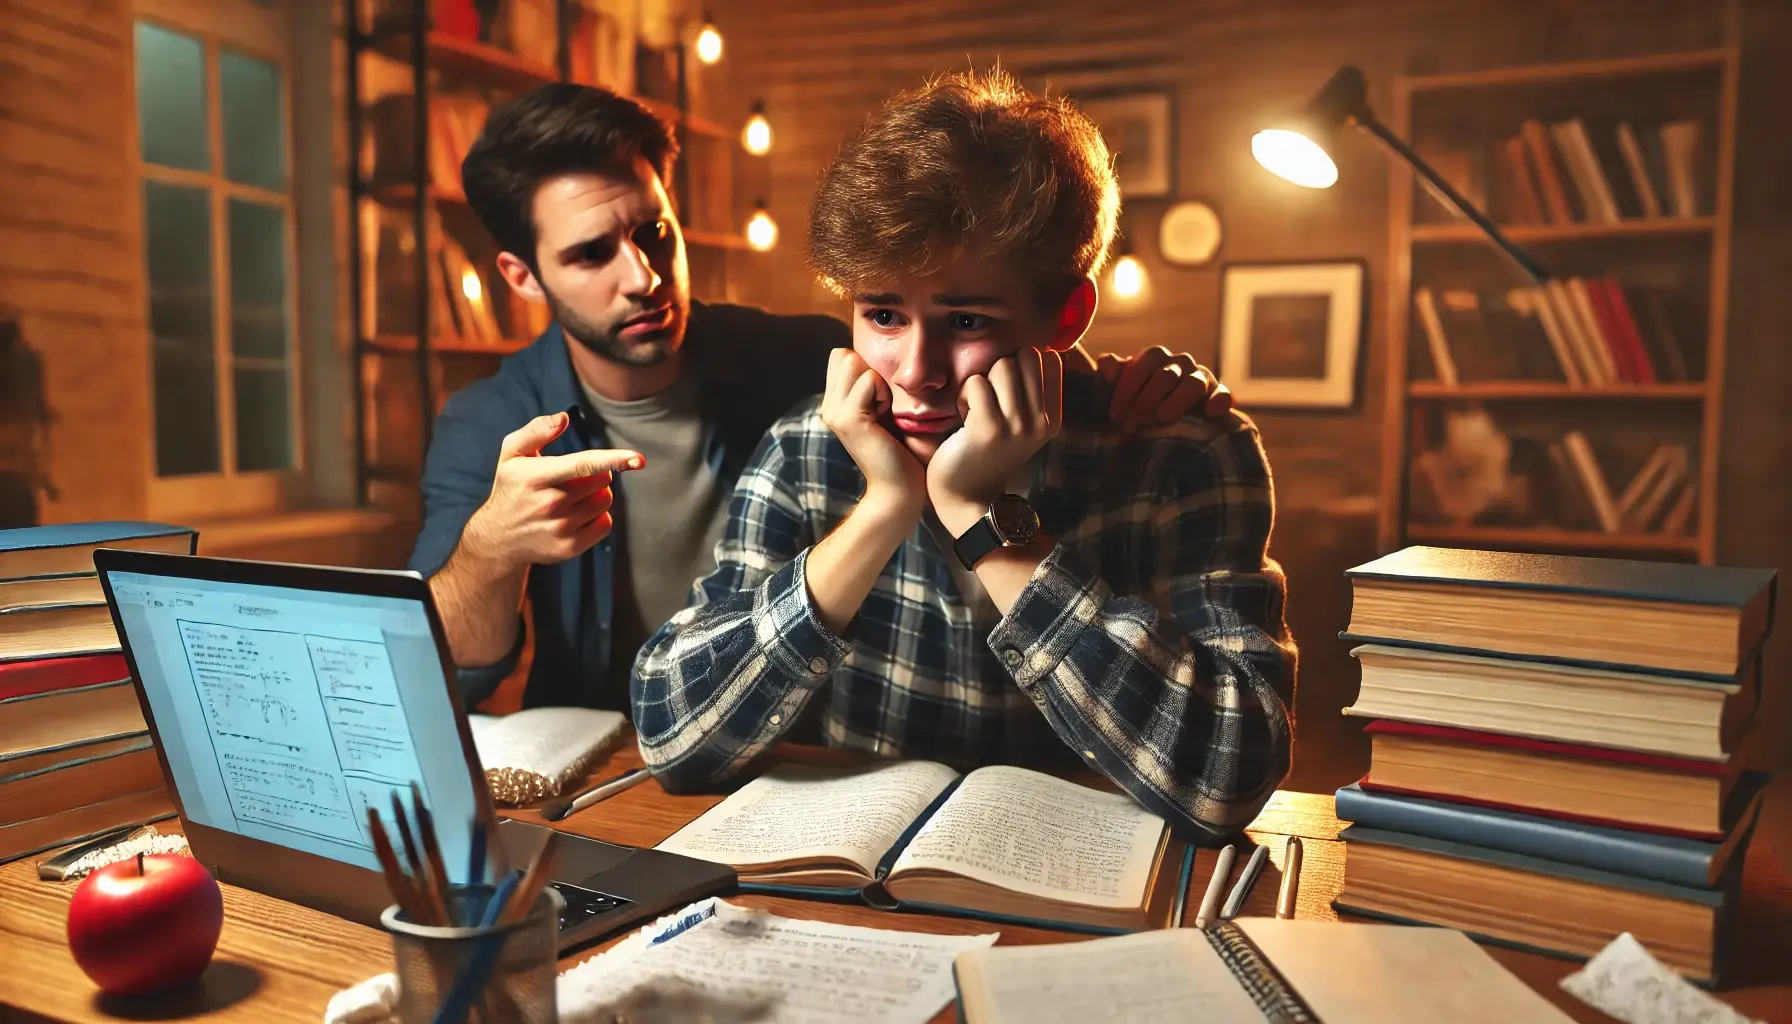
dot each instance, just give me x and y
(1625, 981)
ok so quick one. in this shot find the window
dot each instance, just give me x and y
(213, 123)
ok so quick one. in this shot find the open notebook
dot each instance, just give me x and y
(1247, 971)
(999, 843)
(537, 753)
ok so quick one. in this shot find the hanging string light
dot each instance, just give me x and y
(709, 41)
(756, 136)
(762, 231)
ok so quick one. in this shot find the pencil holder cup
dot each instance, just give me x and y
(504, 973)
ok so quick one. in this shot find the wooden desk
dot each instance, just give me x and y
(277, 962)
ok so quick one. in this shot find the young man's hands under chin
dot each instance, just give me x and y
(1009, 414)
(853, 406)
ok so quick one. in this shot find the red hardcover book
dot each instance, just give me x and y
(1609, 332)
(1632, 337)
(41, 675)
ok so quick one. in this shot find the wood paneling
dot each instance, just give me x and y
(70, 247)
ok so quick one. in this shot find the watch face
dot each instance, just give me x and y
(1014, 519)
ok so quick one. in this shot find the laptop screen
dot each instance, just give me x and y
(285, 713)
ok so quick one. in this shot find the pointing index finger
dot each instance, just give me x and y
(558, 469)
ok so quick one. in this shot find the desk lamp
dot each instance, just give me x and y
(1299, 147)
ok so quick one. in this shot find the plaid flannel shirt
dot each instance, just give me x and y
(1150, 644)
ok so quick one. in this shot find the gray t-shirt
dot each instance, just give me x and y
(668, 516)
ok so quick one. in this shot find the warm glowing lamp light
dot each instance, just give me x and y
(1300, 149)
(709, 42)
(1129, 277)
(756, 136)
(471, 286)
(762, 231)
(1295, 157)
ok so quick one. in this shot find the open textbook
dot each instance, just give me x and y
(1247, 971)
(540, 752)
(1000, 843)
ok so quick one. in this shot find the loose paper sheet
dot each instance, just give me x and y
(1631, 985)
(811, 971)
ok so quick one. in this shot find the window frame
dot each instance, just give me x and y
(263, 32)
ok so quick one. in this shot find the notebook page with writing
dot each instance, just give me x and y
(1393, 974)
(1169, 976)
(801, 812)
(541, 751)
(1042, 836)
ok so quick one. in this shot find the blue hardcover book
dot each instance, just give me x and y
(61, 549)
(1673, 859)
(998, 844)
(1669, 618)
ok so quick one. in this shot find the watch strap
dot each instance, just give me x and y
(977, 542)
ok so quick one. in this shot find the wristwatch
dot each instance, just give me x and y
(1010, 522)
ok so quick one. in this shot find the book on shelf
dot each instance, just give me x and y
(1248, 968)
(1574, 781)
(540, 752)
(1677, 860)
(1656, 714)
(1594, 171)
(1540, 905)
(1701, 621)
(999, 843)
(1581, 331)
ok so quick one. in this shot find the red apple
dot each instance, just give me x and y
(146, 924)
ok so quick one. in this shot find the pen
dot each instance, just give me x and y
(1246, 879)
(600, 791)
(1290, 878)
(1188, 870)
(1210, 903)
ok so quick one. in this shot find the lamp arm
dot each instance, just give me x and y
(1368, 123)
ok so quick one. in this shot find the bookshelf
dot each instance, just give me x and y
(414, 344)
(1582, 416)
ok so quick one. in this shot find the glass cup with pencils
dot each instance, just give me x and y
(472, 953)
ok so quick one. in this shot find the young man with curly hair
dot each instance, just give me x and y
(954, 554)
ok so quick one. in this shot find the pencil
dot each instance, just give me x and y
(523, 899)
(1290, 893)
(397, 882)
(429, 894)
(1210, 903)
(432, 850)
(1246, 880)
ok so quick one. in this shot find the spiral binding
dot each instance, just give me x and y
(1279, 1003)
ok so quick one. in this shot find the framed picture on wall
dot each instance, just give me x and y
(1291, 333)
(1136, 128)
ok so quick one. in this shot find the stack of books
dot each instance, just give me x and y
(1557, 749)
(75, 755)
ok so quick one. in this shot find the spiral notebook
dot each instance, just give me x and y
(1249, 970)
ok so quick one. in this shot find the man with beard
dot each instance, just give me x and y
(633, 376)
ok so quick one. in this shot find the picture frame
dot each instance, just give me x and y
(1137, 129)
(1291, 332)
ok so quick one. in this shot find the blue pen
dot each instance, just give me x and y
(685, 924)
(476, 868)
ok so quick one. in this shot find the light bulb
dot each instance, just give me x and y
(471, 286)
(1295, 157)
(762, 231)
(756, 136)
(709, 43)
(1129, 277)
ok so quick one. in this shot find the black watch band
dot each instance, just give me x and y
(1009, 521)
(977, 542)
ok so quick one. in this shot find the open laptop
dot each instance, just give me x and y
(284, 700)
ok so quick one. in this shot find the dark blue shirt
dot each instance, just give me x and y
(751, 368)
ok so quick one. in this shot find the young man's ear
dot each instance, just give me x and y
(1074, 318)
(521, 279)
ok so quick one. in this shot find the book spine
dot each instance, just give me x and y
(1267, 988)
(908, 834)
(1674, 863)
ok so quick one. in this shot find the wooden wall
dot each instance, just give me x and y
(821, 67)
(71, 249)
